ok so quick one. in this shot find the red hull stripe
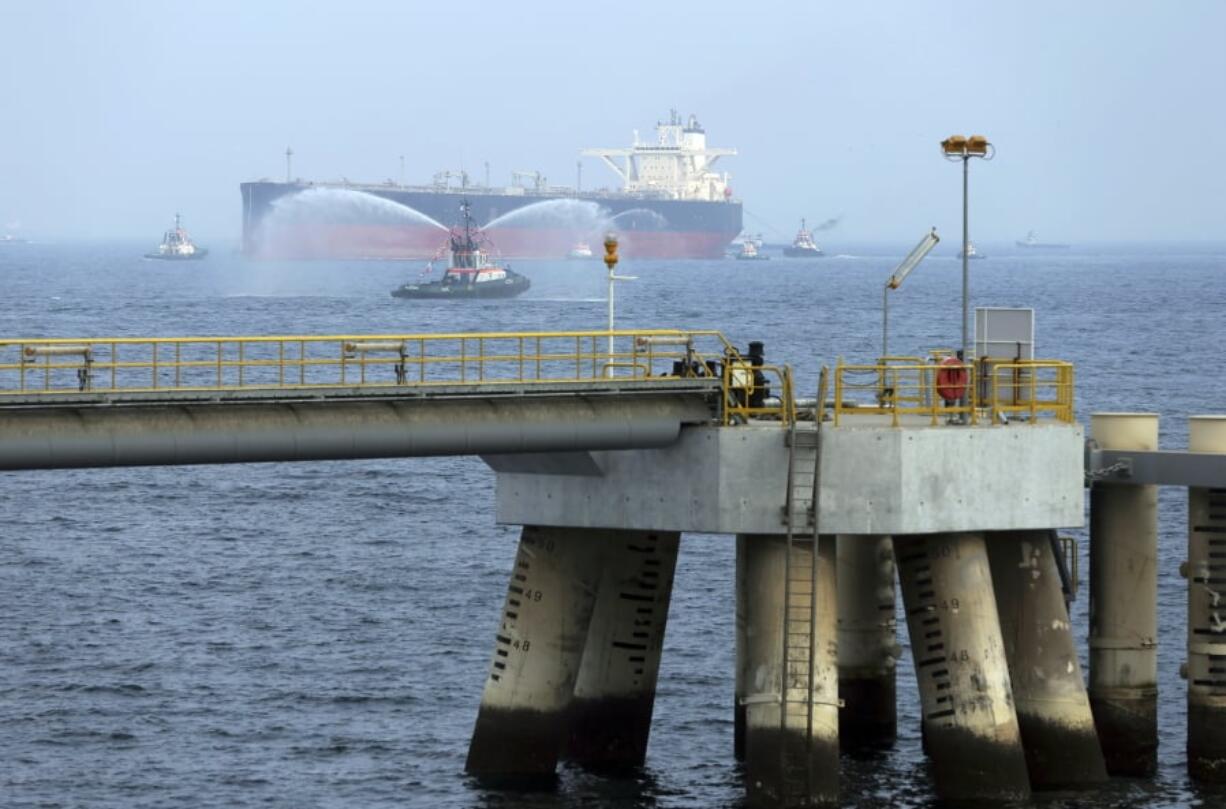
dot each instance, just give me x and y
(423, 242)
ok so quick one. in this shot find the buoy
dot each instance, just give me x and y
(951, 379)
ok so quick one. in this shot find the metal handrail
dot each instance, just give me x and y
(997, 390)
(918, 397)
(57, 367)
(1030, 389)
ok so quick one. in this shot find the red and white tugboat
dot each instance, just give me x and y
(803, 245)
(471, 274)
(177, 245)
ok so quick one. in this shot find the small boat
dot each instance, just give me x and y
(971, 252)
(1031, 241)
(750, 252)
(803, 245)
(470, 273)
(177, 245)
(580, 250)
(9, 238)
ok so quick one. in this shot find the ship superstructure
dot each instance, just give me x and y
(677, 166)
(671, 204)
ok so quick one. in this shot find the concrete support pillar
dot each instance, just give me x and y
(1053, 709)
(868, 645)
(610, 715)
(741, 689)
(791, 699)
(1207, 612)
(971, 729)
(537, 652)
(1123, 604)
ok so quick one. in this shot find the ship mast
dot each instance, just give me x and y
(289, 165)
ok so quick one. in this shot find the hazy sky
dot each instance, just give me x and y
(1109, 118)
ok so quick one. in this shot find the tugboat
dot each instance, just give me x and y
(580, 250)
(1031, 241)
(971, 252)
(749, 252)
(177, 245)
(803, 245)
(470, 274)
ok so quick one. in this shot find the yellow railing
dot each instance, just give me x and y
(999, 391)
(1029, 389)
(62, 367)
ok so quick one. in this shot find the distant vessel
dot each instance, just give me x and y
(1032, 241)
(803, 245)
(750, 252)
(177, 245)
(470, 273)
(580, 250)
(971, 252)
(9, 238)
(670, 200)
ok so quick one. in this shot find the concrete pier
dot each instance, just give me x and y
(868, 644)
(1053, 708)
(743, 676)
(970, 726)
(537, 654)
(1123, 604)
(1207, 612)
(609, 719)
(791, 708)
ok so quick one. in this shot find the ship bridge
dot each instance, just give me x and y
(679, 165)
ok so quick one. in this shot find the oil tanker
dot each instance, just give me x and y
(671, 204)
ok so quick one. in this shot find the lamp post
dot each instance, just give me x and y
(610, 261)
(903, 270)
(960, 147)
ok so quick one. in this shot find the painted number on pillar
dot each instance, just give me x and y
(951, 604)
(522, 645)
(533, 595)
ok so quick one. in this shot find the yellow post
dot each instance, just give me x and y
(610, 261)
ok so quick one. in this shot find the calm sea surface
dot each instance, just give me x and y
(317, 635)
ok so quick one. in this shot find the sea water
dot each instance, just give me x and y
(318, 634)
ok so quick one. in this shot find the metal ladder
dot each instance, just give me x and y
(800, 515)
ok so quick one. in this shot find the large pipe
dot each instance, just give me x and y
(147, 435)
(1124, 604)
(970, 727)
(1206, 610)
(868, 644)
(1053, 710)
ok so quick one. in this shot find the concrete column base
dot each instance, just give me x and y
(1127, 723)
(970, 727)
(610, 715)
(1124, 604)
(791, 731)
(1206, 611)
(867, 642)
(741, 687)
(1053, 710)
(538, 648)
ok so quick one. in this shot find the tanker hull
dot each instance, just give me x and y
(299, 221)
